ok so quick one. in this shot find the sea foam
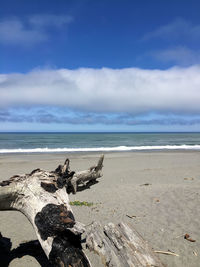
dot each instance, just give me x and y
(99, 149)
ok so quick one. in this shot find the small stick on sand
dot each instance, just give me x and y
(166, 252)
(195, 253)
(131, 217)
(145, 184)
(187, 237)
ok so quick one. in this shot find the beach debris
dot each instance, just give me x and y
(120, 245)
(81, 203)
(134, 216)
(131, 216)
(156, 200)
(188, 178)
(195, 253)
(146, 184)
(166, 253)
(78, 181)
(187, 237)
(43, 197)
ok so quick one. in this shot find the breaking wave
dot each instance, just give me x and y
(99, 149)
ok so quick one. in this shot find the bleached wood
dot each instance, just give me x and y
(91, 174)
(26, 194)
(42, 196)
(120, 246)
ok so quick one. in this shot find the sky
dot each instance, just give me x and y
(99, 65)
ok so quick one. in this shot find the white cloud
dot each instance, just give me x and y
(130, 90)
(13, 32)
(32, 30)
(47, 20)
(179, 29)
(178, 55)
(180, 38)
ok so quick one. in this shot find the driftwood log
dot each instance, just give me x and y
(120, 245)
(43, 197)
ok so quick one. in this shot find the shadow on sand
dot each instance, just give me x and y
(31, 248)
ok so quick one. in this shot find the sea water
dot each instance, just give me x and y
(86, 142)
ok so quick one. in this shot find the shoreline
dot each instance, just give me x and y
(165, 209)
(79, 153)
(170, 148)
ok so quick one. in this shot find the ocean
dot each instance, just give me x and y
(94, 142)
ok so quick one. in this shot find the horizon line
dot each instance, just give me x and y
(87, 132)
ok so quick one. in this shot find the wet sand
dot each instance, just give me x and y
(166, 208)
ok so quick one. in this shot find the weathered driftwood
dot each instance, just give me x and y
(72, 180)
(42, 197)
(120, 246)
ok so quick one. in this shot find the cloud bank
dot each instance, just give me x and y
(131, 90)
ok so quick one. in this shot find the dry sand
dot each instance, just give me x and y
(165, 210)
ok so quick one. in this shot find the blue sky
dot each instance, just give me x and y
(92, 65)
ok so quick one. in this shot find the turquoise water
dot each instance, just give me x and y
(73, 142)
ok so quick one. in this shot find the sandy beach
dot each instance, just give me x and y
(159, 190)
